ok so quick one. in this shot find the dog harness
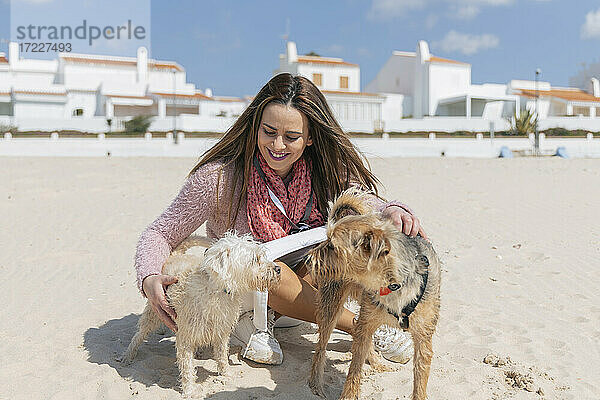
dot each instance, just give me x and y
(410, 307)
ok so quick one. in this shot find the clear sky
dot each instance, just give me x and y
(234, 46)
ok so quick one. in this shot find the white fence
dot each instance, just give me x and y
(371, 147)
(199, 123)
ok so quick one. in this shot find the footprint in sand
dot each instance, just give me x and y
(518, 376)
(538, 257)
(523, 340)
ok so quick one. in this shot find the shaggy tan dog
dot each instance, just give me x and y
(395, 278)
(207, 298)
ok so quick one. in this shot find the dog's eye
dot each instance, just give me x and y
(422, 259)
(384, 253)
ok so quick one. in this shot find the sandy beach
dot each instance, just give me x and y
(519, 238)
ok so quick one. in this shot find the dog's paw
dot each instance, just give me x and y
(124, 359)
(377, 365)
(381, 367)
(189, 392)
(317, 389)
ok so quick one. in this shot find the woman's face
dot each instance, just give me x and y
(282, 137)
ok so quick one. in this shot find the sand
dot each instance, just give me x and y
(520, 241)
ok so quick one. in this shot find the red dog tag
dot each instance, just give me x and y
(384, 290)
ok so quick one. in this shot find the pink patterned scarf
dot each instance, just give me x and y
(266, 221)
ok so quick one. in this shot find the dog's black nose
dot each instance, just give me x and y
(277, 269)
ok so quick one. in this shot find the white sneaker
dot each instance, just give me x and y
(258, 346)
(393, 344)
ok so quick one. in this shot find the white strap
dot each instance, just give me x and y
(278, 204)
(288, 244)
(275, 249)
(260, 310)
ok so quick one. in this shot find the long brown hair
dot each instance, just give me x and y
(335, 160)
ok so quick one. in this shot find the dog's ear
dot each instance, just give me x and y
(352, 201)
(221, 271)
(376, 245)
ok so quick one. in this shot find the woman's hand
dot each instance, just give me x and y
(155, 287)
(404, 221)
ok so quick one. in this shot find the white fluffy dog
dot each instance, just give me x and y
(207, 298)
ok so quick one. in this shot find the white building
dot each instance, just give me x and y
(83, 92)
(437, 87)
(413, 91)
(339, 81)
(559, 101)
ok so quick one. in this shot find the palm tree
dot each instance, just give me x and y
(524, 124)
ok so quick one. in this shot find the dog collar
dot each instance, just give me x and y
(409, 308)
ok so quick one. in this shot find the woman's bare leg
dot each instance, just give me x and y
(296, 297)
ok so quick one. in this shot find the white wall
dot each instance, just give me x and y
(89, 76)
(331, 76)
(371, 147)
(85, 100)
(447, 80)
(396, 76)
(55, 111)
(393, 106)
(444, 124)
(27, 79)
(571, 123)
(213, 108)
(160, 80)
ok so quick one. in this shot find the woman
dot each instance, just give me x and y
(271, 173)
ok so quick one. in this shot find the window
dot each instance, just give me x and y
(318, 79)
(343, 82)
(78, 112)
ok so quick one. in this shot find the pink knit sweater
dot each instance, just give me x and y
(195, 204)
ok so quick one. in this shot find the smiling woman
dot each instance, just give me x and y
(282, 137)
(271, 174)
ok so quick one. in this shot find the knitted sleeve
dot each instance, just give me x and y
(379, 205)
(188, 211)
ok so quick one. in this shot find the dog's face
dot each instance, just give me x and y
(240, 265)
(357, 249)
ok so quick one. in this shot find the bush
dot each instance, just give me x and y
(524, 124)
(565, 132)
(138, 124)
(8, 128)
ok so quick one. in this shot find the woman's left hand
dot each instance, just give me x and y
(404, 221)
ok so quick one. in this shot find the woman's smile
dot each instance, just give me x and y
(277, 156)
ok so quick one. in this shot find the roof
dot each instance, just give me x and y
(165, 65)
(37, 92)
(228, 99)
(432, 58)
(569, 94)
(187, 96)
(324, 60)
(3, 59)
(124, 96)
(349, 93)
(129, 61)
(436, 59)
